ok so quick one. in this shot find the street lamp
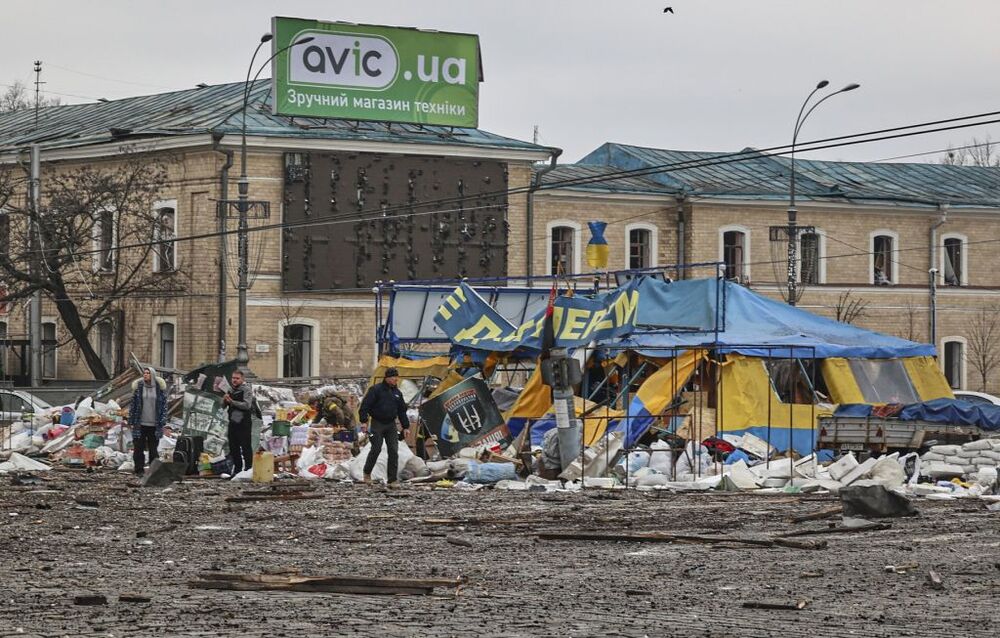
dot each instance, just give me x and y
(792, 229)
(243, 204)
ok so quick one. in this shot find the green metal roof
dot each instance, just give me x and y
(756, 175)
(216, 109)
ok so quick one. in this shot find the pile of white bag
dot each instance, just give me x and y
(943, 461)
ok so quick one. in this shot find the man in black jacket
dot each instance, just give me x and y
(384, 402)
(239, 401)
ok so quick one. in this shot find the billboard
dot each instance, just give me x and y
(366, 72)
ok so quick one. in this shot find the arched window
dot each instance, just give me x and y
(812, 255)
(49, 350)
(641, 246)
(953, 360)
(884, 258)
(954, 260)
(300, 350)
(166, 333)
(106, 345)
(563, 247)
(734, 252)
(165, 231)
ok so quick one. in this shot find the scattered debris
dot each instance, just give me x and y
(934, 580)
(792, 606)
(90, 599)
(335, 584)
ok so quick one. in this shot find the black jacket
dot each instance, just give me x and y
(239, 409)
(385, 404)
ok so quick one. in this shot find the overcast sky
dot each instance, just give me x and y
(714, 75)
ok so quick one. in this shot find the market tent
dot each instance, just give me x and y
(750, 324)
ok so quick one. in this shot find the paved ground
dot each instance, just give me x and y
(55, 548)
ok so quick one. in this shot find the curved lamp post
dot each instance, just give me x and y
(792, 229)
(243, 203)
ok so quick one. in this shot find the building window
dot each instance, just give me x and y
(734, 254)
(166, 337)
(106, 345)
(953, 260)
(3, 350)
(884, 259)
(641, 247)
(165, 253)
(809, 247)
(48, 350)
(4, 233)
(563, 250)
(104, 241)
(954, 362)
(298, 351)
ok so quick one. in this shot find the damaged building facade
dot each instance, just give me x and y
(355, 203)
(350, 204)
(877, 231)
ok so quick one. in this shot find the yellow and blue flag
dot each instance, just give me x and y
(597, 247)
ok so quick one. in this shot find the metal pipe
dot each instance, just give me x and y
(529, 215)
(681, 252)
(933, 271)
(223, 196)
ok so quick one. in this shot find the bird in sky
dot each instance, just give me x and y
(668, 10)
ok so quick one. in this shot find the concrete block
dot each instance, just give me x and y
(741, 476)
(843, 466)
(161, 474)
(861, 471)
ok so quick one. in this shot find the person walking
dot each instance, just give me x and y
(239, 400)
(147, 415)
(384, 404)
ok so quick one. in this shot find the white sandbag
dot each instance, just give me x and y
(946, 450)
(378, 474)
(970, 469)
(967, 454)
(984, 461)
(990, 454)
(340, 471)
(415, 467)
(652, 480)
(127, 466)
(888, 471)
(933, 456)
(987, 477)
(954, 459)
(940, 469)
(663, 461)
(842, 466)
(995, 444)
(975, 446)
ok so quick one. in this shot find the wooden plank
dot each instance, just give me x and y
(310, 588)
(765, 604)
(339, 580)
(871, 527)
(815, 516)
(273, 497)
(655, 537)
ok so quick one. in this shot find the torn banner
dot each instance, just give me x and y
(470, 321)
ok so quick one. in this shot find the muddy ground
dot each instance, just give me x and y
(55, 545)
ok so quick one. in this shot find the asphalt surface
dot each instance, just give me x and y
(78, 533)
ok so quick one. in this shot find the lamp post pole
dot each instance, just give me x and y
(793, 229)
(243, 201)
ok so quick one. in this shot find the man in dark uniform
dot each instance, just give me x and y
(384, 402)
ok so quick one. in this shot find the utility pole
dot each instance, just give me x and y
(35, 312)
(38, 87)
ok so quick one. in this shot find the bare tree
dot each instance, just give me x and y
(975, 153)
(982, 342)
(910, 333)
(850, 308)
(18, 98)
(92, 243)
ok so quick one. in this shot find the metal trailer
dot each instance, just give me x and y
(881, 435)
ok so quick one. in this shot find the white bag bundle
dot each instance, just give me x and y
(663, 460)
(975, 446)
(946, 450)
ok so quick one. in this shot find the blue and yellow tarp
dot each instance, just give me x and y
(656, 393)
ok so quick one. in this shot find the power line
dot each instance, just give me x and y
(725, 158)
(102, 77)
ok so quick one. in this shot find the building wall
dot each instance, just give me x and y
(344, 323)
(620, 212)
